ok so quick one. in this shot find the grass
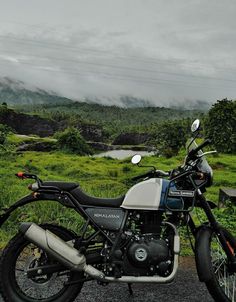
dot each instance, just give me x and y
(15, 139)
(104, 177)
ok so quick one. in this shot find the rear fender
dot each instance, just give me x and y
(36, 197)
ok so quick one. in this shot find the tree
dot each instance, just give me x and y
(171, 136)
(72, 141)
(221, 125)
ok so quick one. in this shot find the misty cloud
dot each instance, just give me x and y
(164, 51)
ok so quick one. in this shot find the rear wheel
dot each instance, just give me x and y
(19, 256)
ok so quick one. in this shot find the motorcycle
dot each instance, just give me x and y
(130, 239)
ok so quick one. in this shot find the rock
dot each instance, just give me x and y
(38, 146)
(28, 124)
(131, 139)
(91, 132)
(33, 124)
(100, 146)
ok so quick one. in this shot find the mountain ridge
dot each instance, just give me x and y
(16, 92)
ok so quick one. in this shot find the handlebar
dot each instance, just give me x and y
(152, 173)
(193, 152)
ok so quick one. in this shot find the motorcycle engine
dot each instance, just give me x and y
(147, 255)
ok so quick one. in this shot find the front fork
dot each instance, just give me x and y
(218, 230)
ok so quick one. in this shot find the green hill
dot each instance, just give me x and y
(113, 119)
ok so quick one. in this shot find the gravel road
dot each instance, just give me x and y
(186, 288)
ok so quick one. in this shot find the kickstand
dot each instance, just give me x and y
(130, 289)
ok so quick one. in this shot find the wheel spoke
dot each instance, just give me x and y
(38, 287)
(20, 270)
(220, 267)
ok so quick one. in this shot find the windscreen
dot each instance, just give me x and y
(203, 165)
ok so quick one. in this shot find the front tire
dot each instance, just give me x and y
(220, 282)
(21, 255)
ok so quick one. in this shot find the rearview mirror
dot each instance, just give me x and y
(195, 126)
(136, 159)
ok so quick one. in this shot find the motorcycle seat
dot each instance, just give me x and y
(63, 186)
(85, 199)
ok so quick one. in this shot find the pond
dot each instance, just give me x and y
(122, 154)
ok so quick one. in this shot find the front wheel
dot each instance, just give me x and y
(19, 257)
(220, 282)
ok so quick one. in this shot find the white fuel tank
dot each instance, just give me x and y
(145, 195)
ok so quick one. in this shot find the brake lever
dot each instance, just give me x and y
(205, 153)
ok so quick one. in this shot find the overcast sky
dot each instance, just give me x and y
(167, 51)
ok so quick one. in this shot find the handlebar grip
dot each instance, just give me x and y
(204, 144)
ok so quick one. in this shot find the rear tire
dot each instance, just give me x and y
(18, 256)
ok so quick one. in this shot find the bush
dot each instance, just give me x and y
(113, 173)
(4, 130)
(126, 169)
(72, 141)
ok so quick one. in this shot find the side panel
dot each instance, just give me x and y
(106, 218)
(145, 195)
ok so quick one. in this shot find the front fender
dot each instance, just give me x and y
(35, 197)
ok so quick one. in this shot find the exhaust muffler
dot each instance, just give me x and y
(59, 249)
